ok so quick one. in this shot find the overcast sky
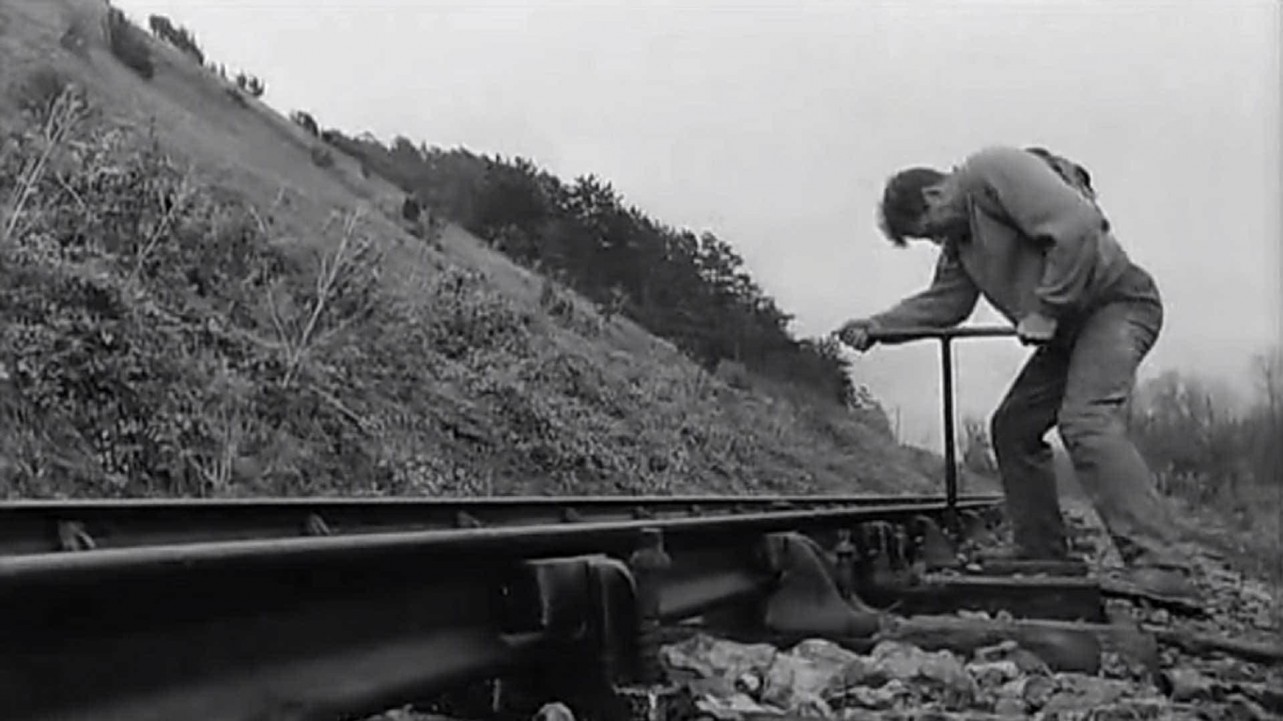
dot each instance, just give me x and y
(774, 124)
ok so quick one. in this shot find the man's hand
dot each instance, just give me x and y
(855, 333)
(1036, 329)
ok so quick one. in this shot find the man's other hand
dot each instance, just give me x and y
(1036, 329)
(855, 333)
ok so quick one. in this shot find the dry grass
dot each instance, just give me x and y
(308, 344)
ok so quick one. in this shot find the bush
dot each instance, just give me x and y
(322, 157)
(251, 85)
(153, 342)
(75, 39)
(179, 37)
(306, 121)
(128, 43)
(40, 90)
(1212, 456)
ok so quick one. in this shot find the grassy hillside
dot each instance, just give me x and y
(195, 301)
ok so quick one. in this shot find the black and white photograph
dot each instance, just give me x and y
(641, 360)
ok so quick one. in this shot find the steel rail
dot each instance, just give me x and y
(504, 542)
(336, 627)
(32, 527)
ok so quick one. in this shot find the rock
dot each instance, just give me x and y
(812, 670)
(555, 711)
(997, 652)
(948, 681)
(1026, 661)
(862, 671)
(1242, 708)
(1183, 684)
(1077, 692)
(750, 683)
(810, 706)
(709, 657)
(1038, 690)
(884, 697)
(824, 651)
(1007, 706)
(993, 673)
(1132, 710)
(1117, 666)
(731, 707)
(1029, 662)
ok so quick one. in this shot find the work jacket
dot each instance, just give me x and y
(1036, 244)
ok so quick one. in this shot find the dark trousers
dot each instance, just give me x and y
(1080, 382)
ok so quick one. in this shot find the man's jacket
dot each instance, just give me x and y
(1036, 244)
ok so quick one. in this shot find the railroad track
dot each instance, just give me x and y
(331, 608)
(323, 609)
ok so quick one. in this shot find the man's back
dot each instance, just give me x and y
(1036, 243)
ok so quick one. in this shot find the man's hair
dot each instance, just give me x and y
(902, 202)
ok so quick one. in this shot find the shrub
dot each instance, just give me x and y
(153, 341)
(250, 84)
(75, 39)
(322, 157)
(236, 96)
(40, 90)
(128, 43)
(179, 37)
(306, 121)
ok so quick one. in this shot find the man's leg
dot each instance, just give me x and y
(1108, 348)
(1024, 459)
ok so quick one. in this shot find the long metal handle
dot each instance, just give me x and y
(910, 333)
(945, 336)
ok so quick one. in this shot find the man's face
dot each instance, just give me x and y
(941, 219)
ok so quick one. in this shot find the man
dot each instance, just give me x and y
(1039, 249)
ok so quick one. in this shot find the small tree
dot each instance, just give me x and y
(128, 43)
(306, 121)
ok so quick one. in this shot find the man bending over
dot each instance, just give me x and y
(1032, 240)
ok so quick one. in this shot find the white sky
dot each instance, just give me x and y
(774, 124)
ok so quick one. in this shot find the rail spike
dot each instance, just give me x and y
(314, 525)
(73, 537)
(463, 519)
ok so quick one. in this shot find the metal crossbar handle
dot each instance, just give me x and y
(945, 336)
(894, 335)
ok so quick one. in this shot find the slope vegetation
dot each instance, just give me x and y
(198, 297)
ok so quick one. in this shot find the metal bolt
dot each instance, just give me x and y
(648, 564)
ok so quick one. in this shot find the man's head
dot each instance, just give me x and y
(914, 206)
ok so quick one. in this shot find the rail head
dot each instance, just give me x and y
(328, 552)
(34, 527)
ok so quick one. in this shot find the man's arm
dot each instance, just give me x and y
(1042, 206)
(946, 302)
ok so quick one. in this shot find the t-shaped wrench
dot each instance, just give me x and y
(894, 336)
